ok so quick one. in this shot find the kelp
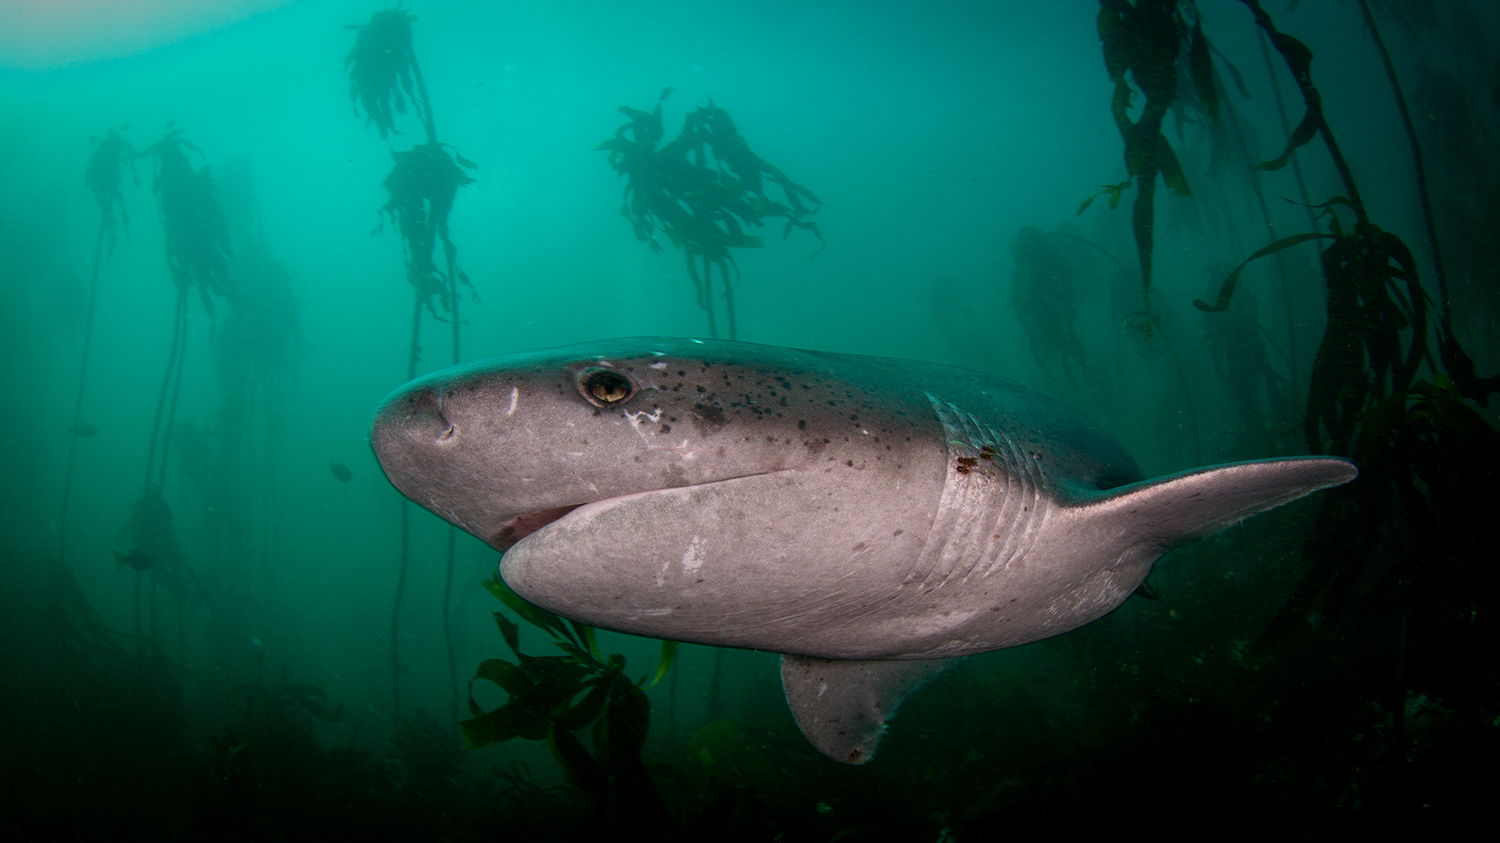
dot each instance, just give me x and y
(1144, 43)
(255, 701)
(702, 190)
(551, 697)
(265, 769)
(1045, 297)
(196, 237)
(383, 70)
(383, 74)
(153, 547)
(1374, 296)
(421, 186)
(195, 232)
(102, 176)
(1410, 537)
(261, 341)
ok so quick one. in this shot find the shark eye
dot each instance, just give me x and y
(604, 387)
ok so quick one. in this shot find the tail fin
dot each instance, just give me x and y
(1173, 510)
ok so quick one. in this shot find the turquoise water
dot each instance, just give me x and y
(199, 693)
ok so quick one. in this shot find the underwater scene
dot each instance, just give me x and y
(1222, 233)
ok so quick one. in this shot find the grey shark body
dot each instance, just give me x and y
(870, 519)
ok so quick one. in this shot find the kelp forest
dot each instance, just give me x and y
(1223, 229)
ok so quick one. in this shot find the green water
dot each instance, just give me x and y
(243, 683)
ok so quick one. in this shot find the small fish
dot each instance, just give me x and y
(1142, 322)
(341, 472)
(83, 430)
(137, 559)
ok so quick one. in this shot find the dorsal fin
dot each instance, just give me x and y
(842, 706)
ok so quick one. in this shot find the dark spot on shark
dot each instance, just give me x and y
(709, 419)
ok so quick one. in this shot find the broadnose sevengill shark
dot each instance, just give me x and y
(871, 519)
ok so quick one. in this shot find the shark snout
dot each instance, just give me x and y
(416, 415)
(408, 426)
(426, 415)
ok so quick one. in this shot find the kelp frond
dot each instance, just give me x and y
(102, 176)
(702, 190)
(195, 231)
(381, 68)
(422, 185)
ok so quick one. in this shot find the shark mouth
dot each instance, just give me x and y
(512, 531)
(527, 523)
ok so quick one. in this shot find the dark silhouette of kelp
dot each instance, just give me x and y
(196, 239)
(383, 69)
(102, 176)
(195, 232)
(702, 190)
(1144, 44)
(1240, 349)
(421, 186)
(1044, 292)
(1411, 538)
(383, 74)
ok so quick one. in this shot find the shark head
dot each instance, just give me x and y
(869, 518)
(502, 448)
(505, 447)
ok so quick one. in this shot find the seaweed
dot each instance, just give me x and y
(1144, 43)
(382, 67)
(1045, 296)
(702, 190)
(102, 177)
(383, 74)
(421, 186)
(552, 697)
(1407, 542)
(196, 239)
(195, 232)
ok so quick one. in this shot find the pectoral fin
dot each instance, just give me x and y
(842, 706)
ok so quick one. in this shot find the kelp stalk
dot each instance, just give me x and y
(384, 73)
(102, 175)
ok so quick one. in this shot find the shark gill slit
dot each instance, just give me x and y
(990, 513)
(1024, 512)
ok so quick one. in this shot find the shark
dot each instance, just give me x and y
(872, 520)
